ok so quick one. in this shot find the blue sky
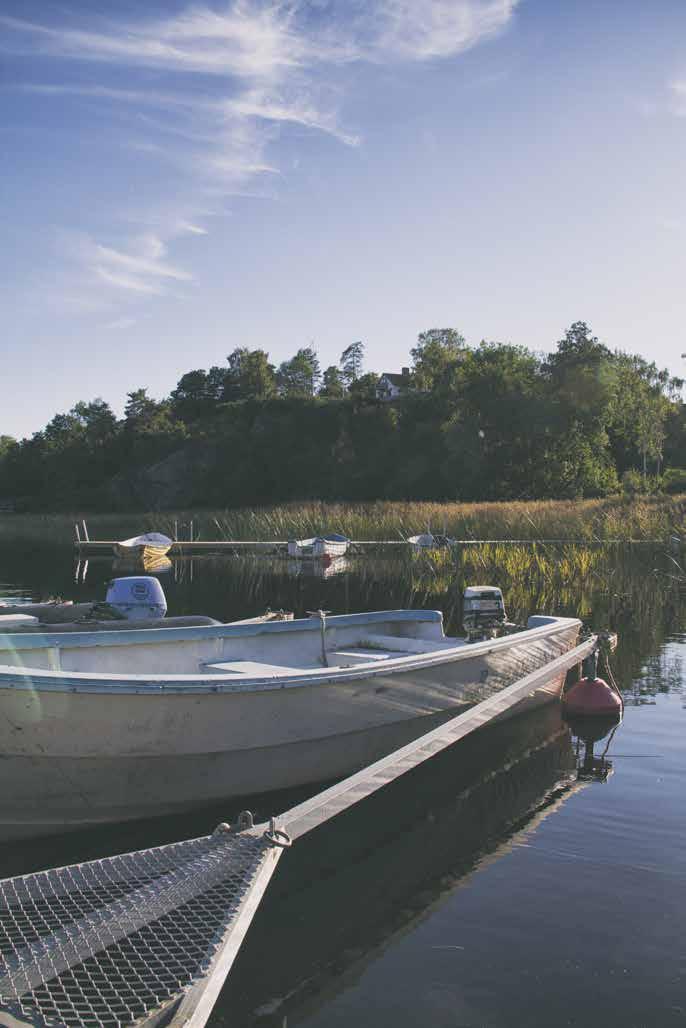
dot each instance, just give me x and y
(181, 179)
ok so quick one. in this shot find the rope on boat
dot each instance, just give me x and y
(148, 938)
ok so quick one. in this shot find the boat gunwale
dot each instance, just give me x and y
(75, 640)
(13, 677)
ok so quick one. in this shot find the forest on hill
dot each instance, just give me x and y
(493, 422)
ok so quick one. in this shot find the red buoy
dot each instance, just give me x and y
(592, 697)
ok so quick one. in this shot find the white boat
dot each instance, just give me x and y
(145, 548)
(105, 726)
(333, 545)
(429, 541)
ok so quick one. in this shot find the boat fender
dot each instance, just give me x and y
(592, 697)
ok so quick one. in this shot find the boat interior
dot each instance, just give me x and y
(276, 648)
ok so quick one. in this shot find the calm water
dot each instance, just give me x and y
(490, 887)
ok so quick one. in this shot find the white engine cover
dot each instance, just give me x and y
(137, 597)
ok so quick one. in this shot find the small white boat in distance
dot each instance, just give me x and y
(145, 548)
(333, 545)
(105, 726)
(428, 541)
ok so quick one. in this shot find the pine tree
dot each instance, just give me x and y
(351, 361)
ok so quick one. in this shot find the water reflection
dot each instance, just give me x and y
(376, 871)
(635, 591)
(379, 873)
(588, 732)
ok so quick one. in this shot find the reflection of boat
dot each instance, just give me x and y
(345, 892)
(318, 568)
(332, 545)
(151, 565)
(149, 546)
(104, 727)
(429, 541)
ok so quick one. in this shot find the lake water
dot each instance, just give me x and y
(493, 886)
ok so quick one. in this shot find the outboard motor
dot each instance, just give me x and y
(483, 611)
(138, 598)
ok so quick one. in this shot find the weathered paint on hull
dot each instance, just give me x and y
(70, 760)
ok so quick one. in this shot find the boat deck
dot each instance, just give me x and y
(256, 648)
(372, 650)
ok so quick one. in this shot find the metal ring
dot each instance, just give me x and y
(277, 837)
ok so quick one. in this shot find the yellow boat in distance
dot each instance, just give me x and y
(151, 565)
(147, 547)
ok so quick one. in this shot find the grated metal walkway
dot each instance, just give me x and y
(147, 938)
(112, 941)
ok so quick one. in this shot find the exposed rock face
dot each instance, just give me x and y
(177, 481)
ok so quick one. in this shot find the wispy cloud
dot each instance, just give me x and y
(227, 82)
(250, 40)
(140, 268)
(422, 29)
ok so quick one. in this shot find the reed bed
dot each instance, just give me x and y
(644, 519)
(640, 519)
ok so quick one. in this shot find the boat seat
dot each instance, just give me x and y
(358, 655)
(404, 644)
(251, 667)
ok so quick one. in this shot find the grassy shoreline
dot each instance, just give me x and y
(646, 518)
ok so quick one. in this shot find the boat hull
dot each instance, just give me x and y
(142, 553)
(70, 793)
(69, 759)
(317, 549)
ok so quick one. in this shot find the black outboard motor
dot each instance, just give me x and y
(483, 611)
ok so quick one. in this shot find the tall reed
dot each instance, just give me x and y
(641, 519)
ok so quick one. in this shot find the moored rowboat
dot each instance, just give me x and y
(107, 726)
(429, 541)
(333, 545)
(146, 548)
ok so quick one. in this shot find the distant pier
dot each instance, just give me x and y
(195, 547)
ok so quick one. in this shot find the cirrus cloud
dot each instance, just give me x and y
(227, 82)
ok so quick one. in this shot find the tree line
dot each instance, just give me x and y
(493, 421)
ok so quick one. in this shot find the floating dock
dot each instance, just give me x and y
(195, 547)
(148, 938)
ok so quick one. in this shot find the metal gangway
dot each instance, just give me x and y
(148, 938)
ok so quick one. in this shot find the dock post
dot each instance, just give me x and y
(85, 531)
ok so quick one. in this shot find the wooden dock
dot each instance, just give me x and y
(189, 902)
(195, 547)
